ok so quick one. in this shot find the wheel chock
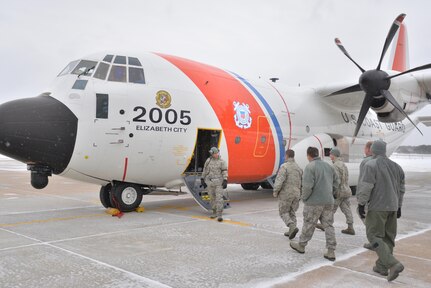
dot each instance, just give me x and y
(140, 209)
(114, 212)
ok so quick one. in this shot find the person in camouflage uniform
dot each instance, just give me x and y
(214, 176)
(344, 192)
(287, 188)
(319, 183)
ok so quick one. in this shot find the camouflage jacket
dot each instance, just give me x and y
(288, 181)
(344, 190)
(215, 171)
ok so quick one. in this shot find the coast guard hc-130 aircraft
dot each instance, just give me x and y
(135, 123)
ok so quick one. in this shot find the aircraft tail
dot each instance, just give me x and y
(399, 60)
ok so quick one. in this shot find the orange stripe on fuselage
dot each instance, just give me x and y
(221, 89)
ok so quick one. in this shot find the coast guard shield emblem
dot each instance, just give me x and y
(242, 115)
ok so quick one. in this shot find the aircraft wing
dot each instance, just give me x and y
(346, 100)
(426, 120)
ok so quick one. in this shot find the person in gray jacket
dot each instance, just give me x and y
(368, 156)
(319, 183)
(287, 188)
(382, 187)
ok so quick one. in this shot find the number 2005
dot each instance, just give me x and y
(156, 115)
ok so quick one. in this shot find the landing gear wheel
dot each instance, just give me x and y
(126, 197)
(105, 197)
(250, 186)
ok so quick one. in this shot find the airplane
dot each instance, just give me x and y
(136, 123)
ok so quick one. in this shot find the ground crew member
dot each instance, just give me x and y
(382, 187)
(287, 188)
(344, 192)
(319, 183)
(214, 176)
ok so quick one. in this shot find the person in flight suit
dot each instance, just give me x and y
(382, 187)
(214, 176)
(287, 188)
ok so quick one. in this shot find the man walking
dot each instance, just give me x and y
(287, 188)
(344, 192)
(319, 184)
(382, 187)
(214, 176)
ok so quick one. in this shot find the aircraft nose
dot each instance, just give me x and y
(39, 131)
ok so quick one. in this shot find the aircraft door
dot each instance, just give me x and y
(206, 138)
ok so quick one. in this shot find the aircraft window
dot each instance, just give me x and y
(101, 71)
(136, 75)
(102, 106)
(85, 67)
(108, 58)
(118, 74)
(120, 60)
(68, 68)
(80, 84)
(134, 61)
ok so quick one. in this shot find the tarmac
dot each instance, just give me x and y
(61, 236)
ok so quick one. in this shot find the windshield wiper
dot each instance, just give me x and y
(85, 72)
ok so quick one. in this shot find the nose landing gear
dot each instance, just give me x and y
(124, 196)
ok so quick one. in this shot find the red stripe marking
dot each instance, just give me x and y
(288, 115)
(221, 89)
(126, 161)
(400, 57)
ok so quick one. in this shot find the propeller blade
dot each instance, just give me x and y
(423, 67)
(394, 28)
(394, 102)
(338, 42)
(354, 88)
(366, 104)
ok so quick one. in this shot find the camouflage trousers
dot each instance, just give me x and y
(287, 209)
(344, 204)
(312, 213)
(216, 198)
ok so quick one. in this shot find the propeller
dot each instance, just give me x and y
(375, 83)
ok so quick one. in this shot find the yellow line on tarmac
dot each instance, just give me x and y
(50, 220)
(224, 221)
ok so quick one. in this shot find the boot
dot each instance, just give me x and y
(293, 230)
(214, 215)
(368, 246)
(349, 230)
(394, 271)
(330, 255)
(286, 234)
(380, 271)
(219, 219)
(320, 226)
(297, 247)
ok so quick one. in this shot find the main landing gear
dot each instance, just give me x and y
(124, 196)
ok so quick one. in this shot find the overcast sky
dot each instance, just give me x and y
(292, 40)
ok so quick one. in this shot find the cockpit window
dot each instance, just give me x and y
(134, 61)
(136, 75)
(101, 71)
(85, 67)
(118, 73)
(68, 68)
(108, 58)
(120, 60)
